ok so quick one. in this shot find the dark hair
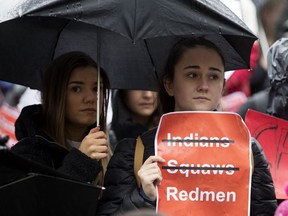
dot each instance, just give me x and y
(54, 90)
(154, 118)
(167, 102)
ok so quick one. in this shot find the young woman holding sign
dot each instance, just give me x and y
(193, 81)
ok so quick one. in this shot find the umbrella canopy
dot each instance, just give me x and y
(29, 44)
(133, 37)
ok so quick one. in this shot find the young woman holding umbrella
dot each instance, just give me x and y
(61, 133)
(193, 81)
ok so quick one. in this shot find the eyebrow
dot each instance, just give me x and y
(197, 67)
(81, 82)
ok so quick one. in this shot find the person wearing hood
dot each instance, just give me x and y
(61, 132)
(278, 75)
(273, 100)
(193, 80)
(134, 112)
(259, 100)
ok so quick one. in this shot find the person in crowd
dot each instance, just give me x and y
(276, 66)
(269, 12)
(244, 83)
(190, 83)
(277, 71)
(61, 133)
(134, 112)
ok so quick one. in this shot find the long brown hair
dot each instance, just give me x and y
(168, 102)
(54, 91)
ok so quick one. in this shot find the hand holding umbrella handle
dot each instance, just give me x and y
(95, 144)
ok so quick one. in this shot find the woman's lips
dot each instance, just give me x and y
(202, 98)
(89, 110)
(147, 104)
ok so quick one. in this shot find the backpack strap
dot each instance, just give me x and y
(138, 158)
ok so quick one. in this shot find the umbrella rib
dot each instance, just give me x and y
(58, 36)
(150, 56)
(135, 14)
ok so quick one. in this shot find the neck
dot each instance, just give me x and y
(143, 120)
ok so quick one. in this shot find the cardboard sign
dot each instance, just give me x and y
(208, 164)
(272, 133)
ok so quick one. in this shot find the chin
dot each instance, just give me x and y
(202, 108)
(89, 122)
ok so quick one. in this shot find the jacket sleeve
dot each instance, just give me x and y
(263, 199)
(71, 163)
(121, 192)
(79, 166)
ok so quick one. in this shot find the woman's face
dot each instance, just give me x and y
(141, 103)
(198, 80)
(81, 98)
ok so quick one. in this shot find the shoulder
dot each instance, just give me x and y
(123, 154)
(125, 145)
(256, 147)
(130, 143)
(41, 150)
(263, 201)
(29, 121)
(148, 139)
(258, 153)
(149, 136)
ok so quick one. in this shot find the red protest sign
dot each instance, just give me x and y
(272, 134)
(208, 164)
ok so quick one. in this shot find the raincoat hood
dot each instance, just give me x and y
(278, 76)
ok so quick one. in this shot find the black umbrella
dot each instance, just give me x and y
(31, 43)
(28, 188)
(134, 61)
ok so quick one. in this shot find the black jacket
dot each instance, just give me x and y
(34, 144)
(122, 193)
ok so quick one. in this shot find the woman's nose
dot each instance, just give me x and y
(90, 96)
(203, 85)
(148, 94)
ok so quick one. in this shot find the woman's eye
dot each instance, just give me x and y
(214, 77)
(95, 88)
(193, 75)
(76, 89)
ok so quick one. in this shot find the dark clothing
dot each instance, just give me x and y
(259, 80)
(273, 100)
(34, 144)
(120, 131)
(278, 75)
(258, 102)
(122, 193)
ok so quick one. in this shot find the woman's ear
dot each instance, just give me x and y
(169, 87)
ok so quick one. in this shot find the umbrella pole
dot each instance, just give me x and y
(98, 79)
(98, 96)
